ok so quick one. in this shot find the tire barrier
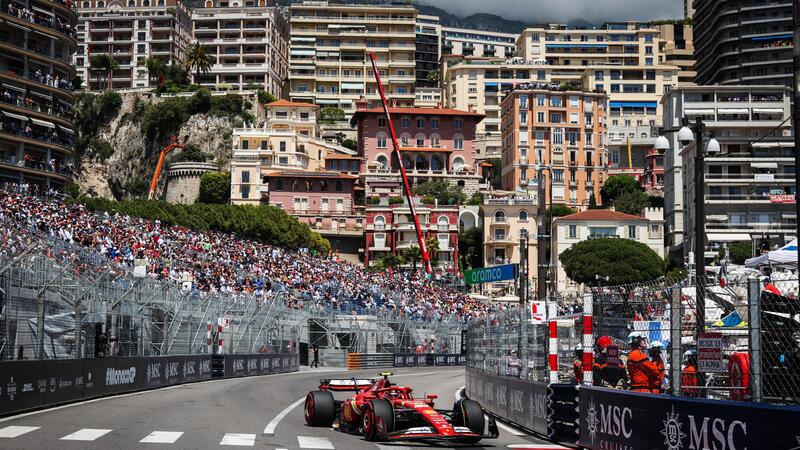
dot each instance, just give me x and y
(616, 419)
(563, 402)
(523, 403)
(27, 385)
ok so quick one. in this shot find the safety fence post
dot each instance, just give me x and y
(219, 339)
(675, 317)
(588, 340)
(754, 306)
(552, 347)
(208, 337)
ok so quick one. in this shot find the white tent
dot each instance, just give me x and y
(786, 255)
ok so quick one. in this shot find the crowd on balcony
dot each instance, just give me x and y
(44, 20)
(209, 261)
(28, 129)
(21, 100)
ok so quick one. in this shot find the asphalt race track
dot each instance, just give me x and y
(250, 412)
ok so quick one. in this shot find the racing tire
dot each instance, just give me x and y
(378, 420)
(320, 409)
(471, 415)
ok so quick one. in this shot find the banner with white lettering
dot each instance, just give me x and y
(518, 401)
(620, 420)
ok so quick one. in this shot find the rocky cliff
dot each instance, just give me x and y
(121, 135)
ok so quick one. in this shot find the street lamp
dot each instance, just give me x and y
(687, 134)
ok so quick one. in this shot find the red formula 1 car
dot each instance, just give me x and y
(382, 411)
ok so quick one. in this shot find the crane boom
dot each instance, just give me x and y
(426, 259)
(173, 144)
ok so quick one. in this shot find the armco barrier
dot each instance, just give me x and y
(523, 403)
(615, 419)
(260, 364)
(26, 385)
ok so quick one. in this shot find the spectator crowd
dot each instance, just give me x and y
(210, 261)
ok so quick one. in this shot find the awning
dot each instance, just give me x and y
(699, 111)
(303, 52)
(491, 83)
(346, 85)
(770, 38)
(768, 110)
(43, 123)
(764, 165)
(14, 116)
(717, 217)
(323, 101)
(43, 11)
(301, 67)
(728, 237)
(327, 53)
(633, 104)
(789, 215)
(734, 111)
(304, 39)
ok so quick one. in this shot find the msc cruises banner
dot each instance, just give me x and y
(613, 419)
(521, 402)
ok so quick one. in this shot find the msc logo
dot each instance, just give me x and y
(189, 368)
(705, 432)
(238, 365)
(171, 370)
(610, 420)
(153, 371)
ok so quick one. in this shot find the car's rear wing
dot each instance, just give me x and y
(344, 384)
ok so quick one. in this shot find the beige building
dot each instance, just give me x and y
(289, 141)
(603, 223)
(562, 131)
(248, 41)
(131, 31)
(506, 218)
(478, 83)
(329, 64)
(677, 48)
(480, 43)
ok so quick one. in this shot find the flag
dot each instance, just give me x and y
(722, 276)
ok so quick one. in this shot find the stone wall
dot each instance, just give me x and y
(183, 181)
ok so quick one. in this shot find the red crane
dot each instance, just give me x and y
(426, 259)
(173, 144)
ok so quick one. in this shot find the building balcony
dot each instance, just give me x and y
(499, 239)
(8, 162)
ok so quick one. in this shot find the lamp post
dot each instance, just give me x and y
(687, 134)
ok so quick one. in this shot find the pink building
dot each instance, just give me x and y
(389, 229)
(436, 144)
(321, 199)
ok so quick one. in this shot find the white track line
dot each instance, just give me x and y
(322, 443)
(15, 431)
(162, 437)
(537, 446)
(270, 428)
(243, 440)
(86, 434)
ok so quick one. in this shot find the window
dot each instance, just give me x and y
(573, 101)
(382, 122)
(435, 123)
(245, 144)
(406, 122)
(556, 101)
(500, 216)
(523, 216)
(558, 175)
(588, 140)
(459, 124)
(602, 232)
(339, 186)
(435, 140)
(420, 122)
(458, 163)
(382, 160)
(283, 146)
(245, 191)
(523, 102)
(404, 139)
(381, 140)
(540, 100)
(264, 145)
(631, 231)
(573, 118)
(279, 185)
(458, 142)
(420, 140)
(246, 176)
(540, 117)
(555, 117)
(558, 136)
(589, 119)
(573, 231)
(539, 137)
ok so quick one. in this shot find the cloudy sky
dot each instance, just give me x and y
(592, 11)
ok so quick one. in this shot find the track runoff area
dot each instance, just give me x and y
(262, 411)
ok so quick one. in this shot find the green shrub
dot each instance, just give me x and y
(395, 200)
(215, 188)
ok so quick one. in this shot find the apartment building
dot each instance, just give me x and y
(743, 42)
(506, 218)
(437, 144)
(36, 93)
(480, 83)
(328, 60)
(389, 230)
(290, 141)
(429, 50)
(749, 187)
(561, 131)
(131, 32)
(569, 230)
(248, 41)
(485, 44)
(427, 97)
(677, 49)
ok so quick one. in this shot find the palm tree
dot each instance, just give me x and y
(155, 69)
(97, 65)
(197, 60)
(111, 66)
